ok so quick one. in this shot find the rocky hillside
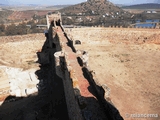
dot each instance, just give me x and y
(94, 7)
(95, 12)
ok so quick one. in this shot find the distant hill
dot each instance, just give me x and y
(143, 6)
(120, 5)
(57, 6)
(61, 6)
(94, 13)
(3, 5)
(33, 4)
(4, 15)
(99, 7)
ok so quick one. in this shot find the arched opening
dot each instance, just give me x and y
(78, 42)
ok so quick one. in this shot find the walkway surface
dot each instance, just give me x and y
(72, 58)
(93, 110)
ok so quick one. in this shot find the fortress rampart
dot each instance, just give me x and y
(65, 60)
(72, 67)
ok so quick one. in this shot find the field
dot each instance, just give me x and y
(22, 15)
(23, 12)
(127, 61)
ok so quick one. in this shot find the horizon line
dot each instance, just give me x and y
(71, 4)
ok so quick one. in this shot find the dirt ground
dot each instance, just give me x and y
(19, 52)
(129, 68)
(126, 60)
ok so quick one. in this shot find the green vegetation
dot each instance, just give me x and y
(16, 30)
(2, 29)
(22, 28)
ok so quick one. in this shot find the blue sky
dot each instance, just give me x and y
(58, 2)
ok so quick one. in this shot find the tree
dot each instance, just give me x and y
(11, 29)
(42, 21)
(2, 28)
(21, 29)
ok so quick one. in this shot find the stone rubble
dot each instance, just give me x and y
(22, 83)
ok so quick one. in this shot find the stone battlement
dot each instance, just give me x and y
(73, 68)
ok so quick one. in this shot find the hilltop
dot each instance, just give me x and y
(95, 12)
(92, 7)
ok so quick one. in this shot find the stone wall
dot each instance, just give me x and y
(63, 70)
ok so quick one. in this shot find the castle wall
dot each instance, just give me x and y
(102, 92)
(63, 71)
